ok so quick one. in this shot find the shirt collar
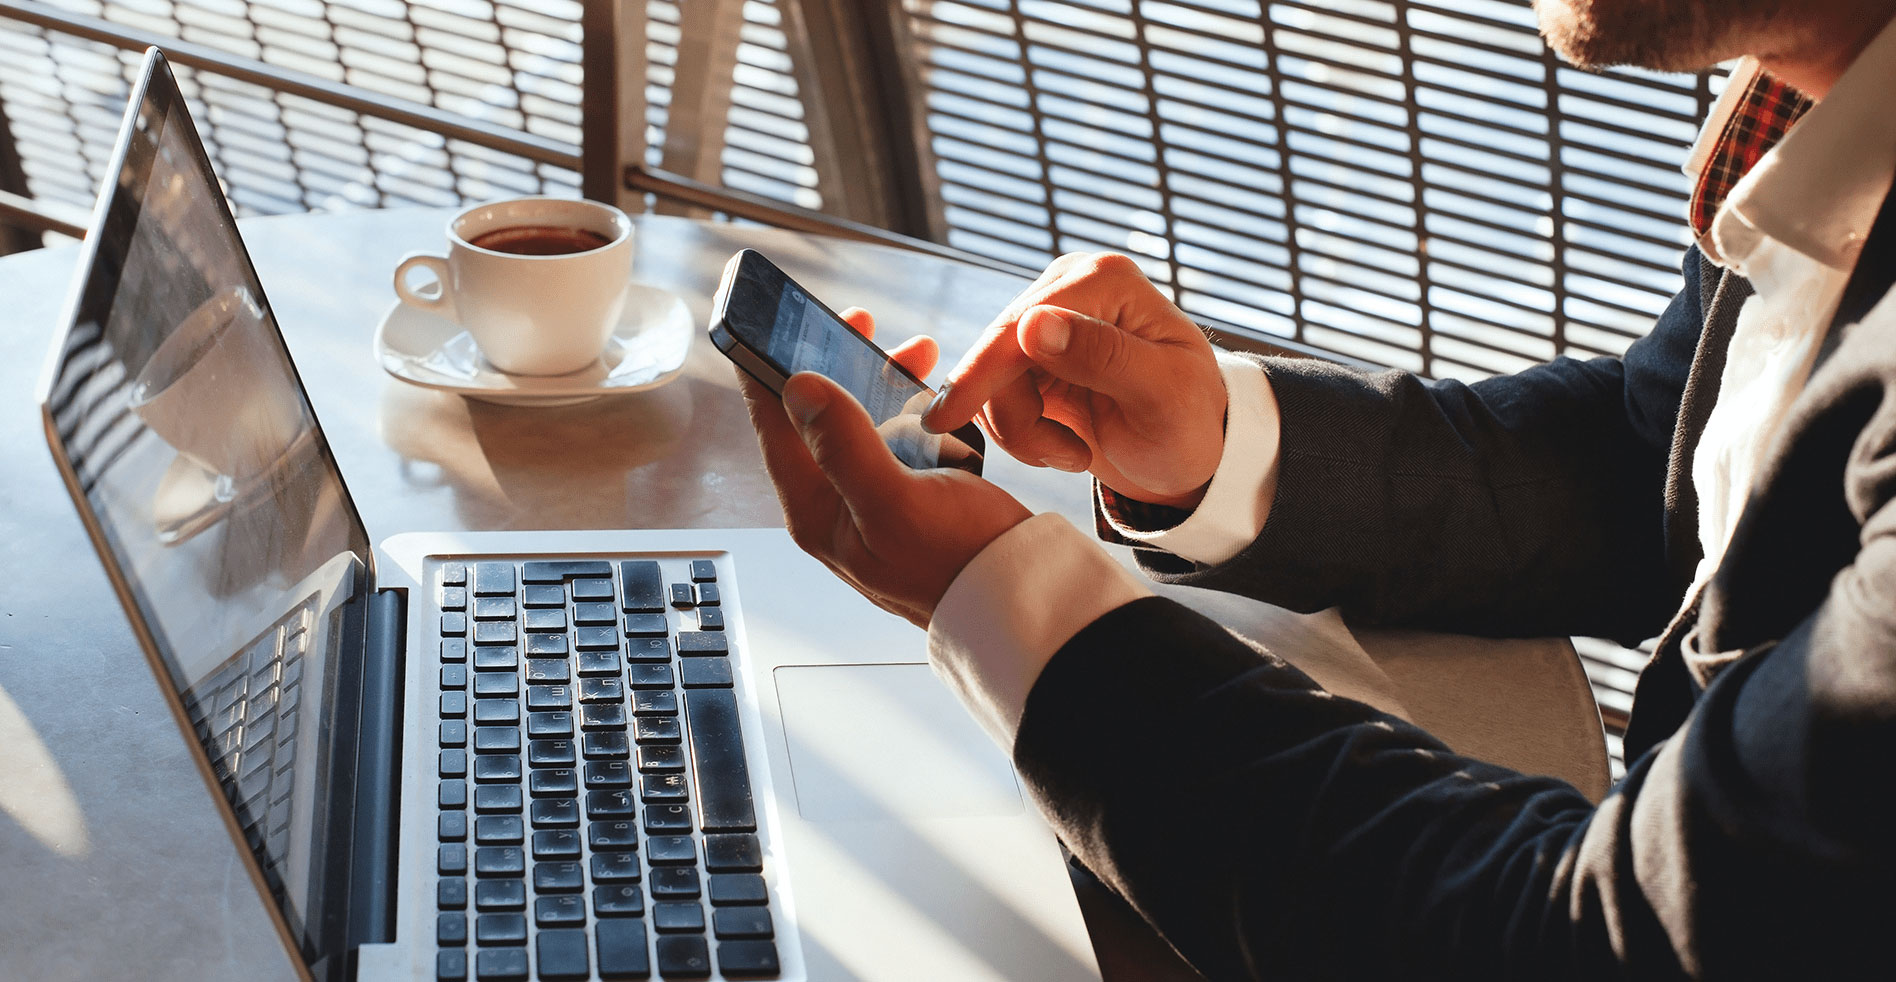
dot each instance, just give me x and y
(1771, 165)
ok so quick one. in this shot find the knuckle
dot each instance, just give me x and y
(1116, 265)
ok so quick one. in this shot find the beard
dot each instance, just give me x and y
(1662, 35)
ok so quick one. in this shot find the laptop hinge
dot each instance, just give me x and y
(378, 773)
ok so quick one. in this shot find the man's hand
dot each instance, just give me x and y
(899, 536)
(1092, 368)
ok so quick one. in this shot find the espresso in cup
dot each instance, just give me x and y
(539, 283)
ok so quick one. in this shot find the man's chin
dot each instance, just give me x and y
(1662, 35)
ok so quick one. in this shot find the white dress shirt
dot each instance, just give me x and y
(1793, 226)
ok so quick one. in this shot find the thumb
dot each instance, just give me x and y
(843, 441)
(1092, 353)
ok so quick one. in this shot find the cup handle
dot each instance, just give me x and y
(436, 303)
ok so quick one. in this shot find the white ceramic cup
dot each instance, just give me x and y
(529, 314)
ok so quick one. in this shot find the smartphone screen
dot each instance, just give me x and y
(762, 310)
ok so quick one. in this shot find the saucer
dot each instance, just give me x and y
(645, 351)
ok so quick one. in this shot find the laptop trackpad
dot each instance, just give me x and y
(887, 741)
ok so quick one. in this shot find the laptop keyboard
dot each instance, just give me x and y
(596, 813)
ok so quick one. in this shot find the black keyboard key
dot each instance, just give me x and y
(646, 626)
(546, 646)
(496, 769)
(450, 928)
(658, 729)
(556, 844)
(561, 955)
(703, 571)
(663, 788)
(497, 658)
(615, 867)
(501, 895)
(734, 853)
(602, 716)
(613, 836)
(556, 813)
(682, 596)
(648, 650)
(453, 733)
(497, 798)
(736, 890)
(548, 671)
(661, 759)
(619, 900)
(595, 639)
(651, 702)
(496, 740)
(559, 911)
(674, 883)
(454, 650)
(597, 664)
(500, 861)
(454, 676)
(501, 964)
(495, 609)
(650, 676)
(499, 830)
(717, 756)
(606, 743)
(601, 690)
(493, 579)
(710, 619)
(741, 922)
(552, 724)
(503, 711)
(504, 929)
(451, 826)
(451, 965)
(553, 782)
(558, 878)
(453, 625)
(593, 589)
(496, 684)
(706, 673)
(741, 959)
(609, 804)
(594, 613)
(681, 956)
(667, 819)
(674, 918)
(621, 946)
(644, 585)
(495, 632)
(541, 698)
(703, 643)
(608, 774)
(451, 859)
(453, 574)
(453, 794)
(453, 704)
(543, 619)
(451, 893)
(453, 763)
(550, 753)
(543, 595)
(561, 570)
(670, 850)
(708, 595)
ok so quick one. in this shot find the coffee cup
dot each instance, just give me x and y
(539, 283)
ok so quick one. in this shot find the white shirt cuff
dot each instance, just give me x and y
(1013, 607)
(1238, 500)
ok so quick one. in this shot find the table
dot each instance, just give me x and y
(113, 862)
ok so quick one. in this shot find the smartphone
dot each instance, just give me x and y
(773, 328)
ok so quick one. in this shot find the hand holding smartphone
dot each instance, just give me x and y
(772, 328)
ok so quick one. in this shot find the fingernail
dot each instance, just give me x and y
(804, 403)
(1071, 465)
(934, 404)
(1051, 332)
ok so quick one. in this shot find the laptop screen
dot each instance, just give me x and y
(215, 501)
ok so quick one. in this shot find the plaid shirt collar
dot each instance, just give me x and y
(1754, 113)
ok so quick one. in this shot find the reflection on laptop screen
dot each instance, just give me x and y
(176, 407)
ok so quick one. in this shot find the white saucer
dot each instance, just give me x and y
(646, 350)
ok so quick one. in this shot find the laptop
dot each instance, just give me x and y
(562, 755)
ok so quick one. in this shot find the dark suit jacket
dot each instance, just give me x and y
(1271, 830)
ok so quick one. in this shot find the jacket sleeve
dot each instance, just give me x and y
(1523, 505)
(1271, 830)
